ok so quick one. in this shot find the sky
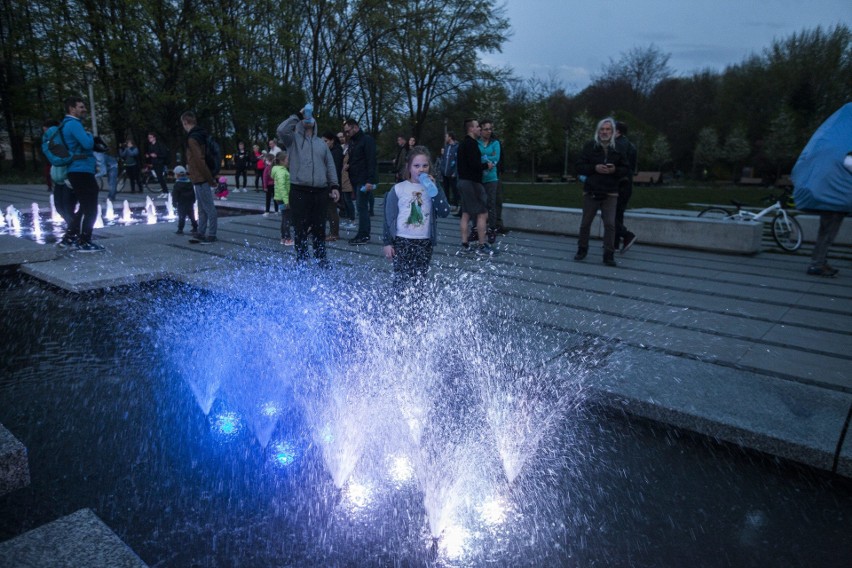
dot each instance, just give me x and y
(572, 40)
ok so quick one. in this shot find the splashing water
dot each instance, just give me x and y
(55, 217)
(150, 210)
(13, 218)
(170, 209)
(126, 215)
(110, 211)
(99, 221)
(37, 232)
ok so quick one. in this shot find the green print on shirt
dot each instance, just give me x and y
(416, 215)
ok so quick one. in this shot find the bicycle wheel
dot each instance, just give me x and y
(715, 213)
(787, 232)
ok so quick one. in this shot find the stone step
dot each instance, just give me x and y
(14, 468)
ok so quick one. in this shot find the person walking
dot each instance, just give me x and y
(129, 154)
(603, 165)
(624, 238)
(473, 198)
(312, 179)
(362, 175)
(202, 179)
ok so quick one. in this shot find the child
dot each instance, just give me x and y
(269, 183)
(183, 195)
(281, 179)
(411, 218)
(222, 189)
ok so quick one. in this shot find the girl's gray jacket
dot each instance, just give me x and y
(440, 208)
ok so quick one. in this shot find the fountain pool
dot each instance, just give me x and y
(294, 426)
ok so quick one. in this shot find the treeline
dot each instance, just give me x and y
(400, 67)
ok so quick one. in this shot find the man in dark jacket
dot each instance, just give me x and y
(362, 174)
(625, 187)
(199, 173)
(158, 157)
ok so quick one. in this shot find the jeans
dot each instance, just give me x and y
(309, 207)
(363, 205)
(64, 200)
(112, 182)
(590, 209)
(208, 220)
(623, 199)
(829, 225)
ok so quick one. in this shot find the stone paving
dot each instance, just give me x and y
(746, 349)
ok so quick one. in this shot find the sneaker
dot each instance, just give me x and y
(267, 214)
(89, 246)
(163, 195)
(288, 242)
(67, 242)
(824, 270)
(224, 199)
(359, 240)
(581, 253)
(609, 260)
(179, 232)
(629, 239)
(349, 225)
(491, 236)
(464, 250)
(196, 239)
(486, 250)
(207, 240)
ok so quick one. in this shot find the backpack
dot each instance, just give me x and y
(54, 147)
(213, 155)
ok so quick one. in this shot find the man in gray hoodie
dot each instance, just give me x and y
(313, 179)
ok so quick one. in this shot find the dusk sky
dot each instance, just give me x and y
(573, 40)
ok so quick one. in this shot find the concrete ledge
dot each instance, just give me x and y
(803, 423)
(14, 467)
(14, 251)
(664, 230)
(80, 539)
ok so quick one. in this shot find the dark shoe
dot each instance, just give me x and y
(629, 240)
(491, 236)
(89, 246)
(824, 270)
(464, 250)
(503, 231)
(179, 232)
(207, 240)
(67, 242)
(609, 259)
(359, 240)
(486, 250)
(581, 253)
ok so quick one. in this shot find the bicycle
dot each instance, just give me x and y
(786, 230)
(147, 181)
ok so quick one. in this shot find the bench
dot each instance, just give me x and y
(750, 181)
(647, 178)
(569, 179)
(544, 178)
(784, 182)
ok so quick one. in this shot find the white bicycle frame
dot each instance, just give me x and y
(743, 215)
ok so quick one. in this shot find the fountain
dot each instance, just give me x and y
(110, 212)
(37, 233)
(170, 209)
(55, 217)
(99, 221)
(150, 210)
(126, 215)
(13, 219)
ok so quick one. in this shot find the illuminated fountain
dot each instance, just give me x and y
(150, 210)
(37, 232)
(126, 215)
(170, 209)
(99, 221)
(13, 219)
(110, 211)
(55, 217)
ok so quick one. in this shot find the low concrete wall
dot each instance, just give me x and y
(664, 230)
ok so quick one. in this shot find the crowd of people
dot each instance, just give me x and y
(313, 182)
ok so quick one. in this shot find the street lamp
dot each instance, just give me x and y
(89, 74)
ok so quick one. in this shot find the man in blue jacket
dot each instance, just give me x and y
(81, 176)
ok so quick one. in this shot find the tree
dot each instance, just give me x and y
(643, 68)
(436, 57)
(660, 153)
(780, 145)
(735, 150)
(706, 148)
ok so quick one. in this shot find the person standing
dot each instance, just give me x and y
(158, 158)
(411, 219)
(400, 158)
(362, 175)
(183, 194)
(473, 199)
(107, 167)
(273, 149)
(312, 180)
(199, 173)
(624, 238)
(129, 154)
(241, 162)
(603, 165)
(449, 168)
(259, 167)
(489, 147)
(330, 139)
(81, 174)
(64, 199)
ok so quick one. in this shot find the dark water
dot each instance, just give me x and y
(90, 384)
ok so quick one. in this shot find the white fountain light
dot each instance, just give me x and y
(110, 211)
(126, 215)
(453, 541)
(493, 512)
(150, 211)
(170, 209)
(400, 469)
(358, 494)
(13, 218)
